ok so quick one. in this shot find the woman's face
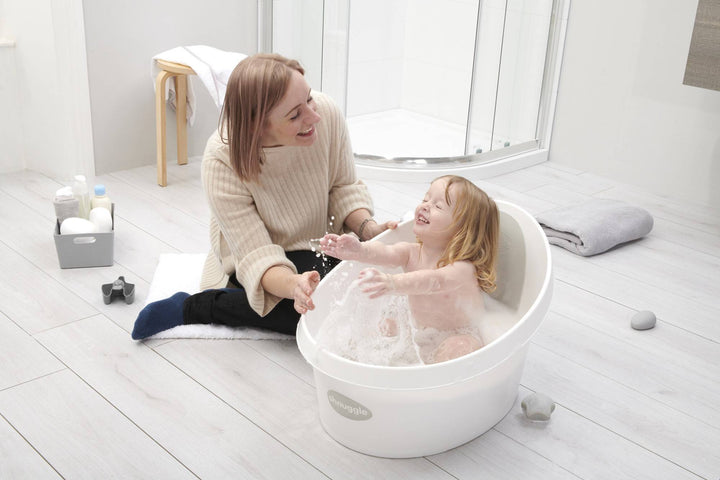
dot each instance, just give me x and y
(292, 121)
(434, 216)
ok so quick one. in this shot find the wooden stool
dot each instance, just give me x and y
(180, 72)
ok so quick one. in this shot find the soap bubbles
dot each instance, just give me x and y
(354, 330)
(382, 331)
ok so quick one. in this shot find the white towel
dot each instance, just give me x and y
(211, 65)
(180, 272)
(596, 226)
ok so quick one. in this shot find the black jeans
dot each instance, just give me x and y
(230, 306)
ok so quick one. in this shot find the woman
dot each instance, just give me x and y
(278, 172)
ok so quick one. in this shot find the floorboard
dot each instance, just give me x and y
(82, 435)
(203, 432)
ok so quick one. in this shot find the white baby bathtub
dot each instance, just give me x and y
(401, 412)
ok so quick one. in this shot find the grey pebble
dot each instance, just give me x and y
(538, 407)
(643, 320)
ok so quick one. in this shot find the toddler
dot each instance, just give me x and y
(445, 272)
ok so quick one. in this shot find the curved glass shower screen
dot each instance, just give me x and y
(423, 81)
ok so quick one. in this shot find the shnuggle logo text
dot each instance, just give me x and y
(347, 407)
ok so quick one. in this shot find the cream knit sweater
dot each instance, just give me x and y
(299, 192)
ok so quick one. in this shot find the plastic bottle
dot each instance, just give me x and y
(80, 191)
(101, 199)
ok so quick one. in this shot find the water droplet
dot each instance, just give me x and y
(314, 244)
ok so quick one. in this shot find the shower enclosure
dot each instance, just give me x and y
(430, 85)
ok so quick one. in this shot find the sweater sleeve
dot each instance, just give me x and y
(245, 246)
(347, 192)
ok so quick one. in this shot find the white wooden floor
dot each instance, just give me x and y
(80, 399)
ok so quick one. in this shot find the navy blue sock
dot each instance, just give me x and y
(159, 316)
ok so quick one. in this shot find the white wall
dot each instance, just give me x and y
(437, 68)
(417, 55)
(622, 109)
(46, 122)
(376, 51)
(11, 145)
(298, 34)
(122, 37)
(315, 32)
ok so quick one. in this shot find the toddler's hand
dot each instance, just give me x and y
(375, 283)
(344, 247)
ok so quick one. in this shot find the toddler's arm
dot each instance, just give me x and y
(348, 247)
(419, 282)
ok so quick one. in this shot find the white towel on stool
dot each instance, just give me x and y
(595, 226)
(211, 65)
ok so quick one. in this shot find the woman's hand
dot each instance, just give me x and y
(365, 227)
(375, 283)
(304, 288)
(373, 229)
(344, 247)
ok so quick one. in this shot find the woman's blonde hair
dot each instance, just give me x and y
(476, 220)
(255, 87)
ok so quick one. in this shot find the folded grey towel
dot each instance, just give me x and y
(595, 226)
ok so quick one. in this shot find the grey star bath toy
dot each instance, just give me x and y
(118, 288)
(538, 407)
